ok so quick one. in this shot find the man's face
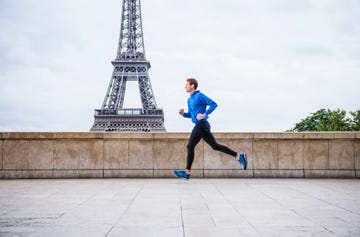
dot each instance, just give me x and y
(188, 87)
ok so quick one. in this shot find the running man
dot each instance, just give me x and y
(199, 108)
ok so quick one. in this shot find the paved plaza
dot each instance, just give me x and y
(175, 207)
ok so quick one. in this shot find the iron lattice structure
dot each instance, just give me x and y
(130, 65)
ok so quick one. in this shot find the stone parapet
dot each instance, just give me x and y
(155, 155)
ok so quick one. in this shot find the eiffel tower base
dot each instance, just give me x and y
(130, 120)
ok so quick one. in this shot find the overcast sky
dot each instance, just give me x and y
(267, 64)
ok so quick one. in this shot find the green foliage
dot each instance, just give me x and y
(355, 123)
(328, 120)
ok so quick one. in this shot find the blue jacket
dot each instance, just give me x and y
(197, 104)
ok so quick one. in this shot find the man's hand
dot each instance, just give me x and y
(200, 116)
(181, 112)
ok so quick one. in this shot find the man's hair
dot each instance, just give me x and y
(192, 81)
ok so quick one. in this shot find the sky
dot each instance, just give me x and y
(267, 63)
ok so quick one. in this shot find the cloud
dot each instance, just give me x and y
(267, 63)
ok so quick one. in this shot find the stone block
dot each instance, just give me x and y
(265, 154)
(233, 135)
(316, 154)
(40, 174)
(278, 173)
(89, 173)
(170, 154)
(75, 173)
(141, 155)
(217, 160)
(290, 154)
(144, 173)
(168, 136)
(266, 135)
(66, 154)
(64, 174)
(78, 154)
(15, 174)
(344, 135)
(341, 154)
(357, 172)
(130, 135)
(291, 135)
(319, 135)
(52, 135)
(175, 154)
(40, 155)
(24, 135)
(78, 135)
(357, 153)
(91, 154)
(15, 154)
(28, 174)
(116, 154)
(235, 173)
(330, 174)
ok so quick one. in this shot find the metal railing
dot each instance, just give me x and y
(129, 112)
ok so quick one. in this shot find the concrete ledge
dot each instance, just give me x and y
(279, 174)
(330, 174)
(147, 155)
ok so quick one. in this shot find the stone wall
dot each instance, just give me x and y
(110, 155)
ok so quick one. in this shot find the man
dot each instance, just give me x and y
(199, 114)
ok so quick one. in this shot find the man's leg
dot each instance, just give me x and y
(210, 139)
(193, 141)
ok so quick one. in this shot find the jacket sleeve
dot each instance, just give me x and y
(209, 102)
(187, 114)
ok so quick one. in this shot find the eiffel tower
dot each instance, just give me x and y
(130, 65)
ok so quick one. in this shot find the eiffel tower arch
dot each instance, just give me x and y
(130, 65)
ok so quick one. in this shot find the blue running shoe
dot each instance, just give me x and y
(181, 174)
(243, 160)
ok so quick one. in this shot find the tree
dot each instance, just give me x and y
(356, 120)
(328, 120)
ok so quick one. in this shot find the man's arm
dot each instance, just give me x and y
(182, 113)
(208, 102)
(212, 104)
